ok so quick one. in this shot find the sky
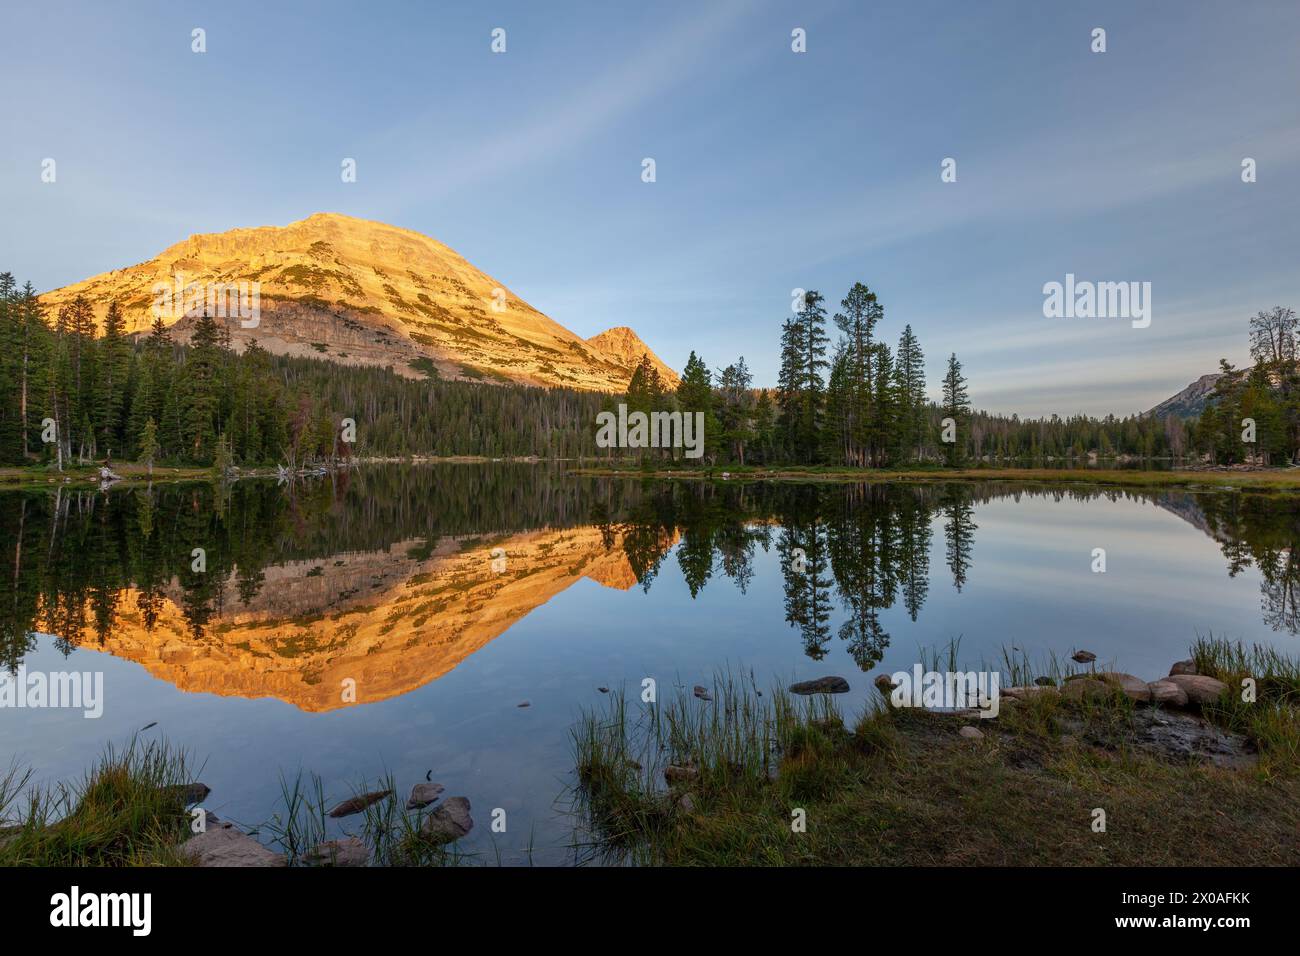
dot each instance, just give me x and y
(774, 170)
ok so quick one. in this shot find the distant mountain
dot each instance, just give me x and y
(627, 348)
(1190, 402)
(365, 293)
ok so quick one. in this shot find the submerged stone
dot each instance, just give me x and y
(821, 685)
(423, 794)
(359, 803)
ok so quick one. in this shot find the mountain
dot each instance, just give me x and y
(1190, 402)
(366, 293)
(627, 348)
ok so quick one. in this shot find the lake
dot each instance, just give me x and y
(391, 619)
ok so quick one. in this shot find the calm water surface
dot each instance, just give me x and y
(451, 594)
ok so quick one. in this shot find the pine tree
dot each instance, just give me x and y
(956, 406)
(861, 312)
(909, 371)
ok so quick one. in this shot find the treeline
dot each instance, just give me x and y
(1254, 414)
(68, 394)
(861, 403)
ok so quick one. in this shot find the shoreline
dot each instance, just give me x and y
(1268, 480)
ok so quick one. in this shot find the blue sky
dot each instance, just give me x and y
(775, 170)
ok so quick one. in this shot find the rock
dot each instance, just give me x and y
(971, 733)
(702, 692)
(822, 685)
(1200, 690)
(1083, 657)
(1134, 688)
(885, 684)
(1168, 693)
(423, 794)
(226, 846)
(1024, 693)
(449, 822)
(677, 773)
(189, 792)
(1184, 735)
(1045, 681)
(1182, 667)
(524, 703)
(603, 690)
(357, 804)
(349, 851)
(686, 804)
(1087, 687)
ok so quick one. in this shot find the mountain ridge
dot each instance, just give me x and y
(360, 292)
(1188, 403)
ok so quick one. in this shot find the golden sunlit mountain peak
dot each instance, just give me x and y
(360, 292)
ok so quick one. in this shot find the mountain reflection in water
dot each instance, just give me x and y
(389, 577)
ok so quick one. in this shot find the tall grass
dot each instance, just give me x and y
(1272, 719)
(636, 762)
(129, 810)
(391, 833)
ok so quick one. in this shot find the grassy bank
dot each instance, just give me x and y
(1275, 479)
(130, 810)
(40, 476)
(903, 787)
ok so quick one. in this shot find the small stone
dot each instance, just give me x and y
(423, 794)
(357, 804)
(821, 685)
(1200, 690)
(675, 773)
(1168, 693)
(1045, 681)
(349, 851)
(1083, 657)
(971, 733)
(226, 846)
(524, 703)
(702, 692)
(189, 793)
(449, 822)
(603, 690)
(686, 804)
(1182, 667)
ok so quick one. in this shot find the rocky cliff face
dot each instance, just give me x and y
(1190, 402)
(365, 293)
(390, 621)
